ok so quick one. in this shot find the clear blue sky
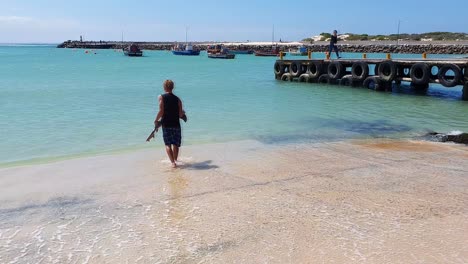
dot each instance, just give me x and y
(53, 21)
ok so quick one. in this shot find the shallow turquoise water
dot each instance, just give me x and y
(63, 102)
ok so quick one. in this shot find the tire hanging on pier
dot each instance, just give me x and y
(336, 70)
(279, 68)
(420, 73)
(324, 78)
(449, 81)
(387, 71)
(287, 77)
(303, 78)
(360, 70)
(314, 69)
(296, 68)
(347, 80)
(372, 82)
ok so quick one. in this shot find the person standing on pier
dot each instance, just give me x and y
(333, 47)
(170, 110)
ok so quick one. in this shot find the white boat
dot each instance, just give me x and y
(300, 51)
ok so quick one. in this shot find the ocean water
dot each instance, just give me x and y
(58, 103)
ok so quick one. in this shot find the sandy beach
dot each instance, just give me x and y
(376, 201)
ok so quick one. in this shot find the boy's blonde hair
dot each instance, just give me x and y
(168, 85)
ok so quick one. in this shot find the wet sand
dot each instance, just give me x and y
(373, 201)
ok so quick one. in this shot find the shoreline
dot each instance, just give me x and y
(359, 201)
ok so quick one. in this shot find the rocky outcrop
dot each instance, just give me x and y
(461, 138)
(360, 48)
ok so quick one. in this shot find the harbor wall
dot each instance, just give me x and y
(451, 48)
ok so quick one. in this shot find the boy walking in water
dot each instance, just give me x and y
(170, 110)
(333, 47)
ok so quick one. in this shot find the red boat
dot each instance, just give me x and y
(273, 53)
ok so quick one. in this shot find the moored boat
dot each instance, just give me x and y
(186, 50)
(132, 51)
(301, 51)
(269, 53)
(219, 52)
(221, 56)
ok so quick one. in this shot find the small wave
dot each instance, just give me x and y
(455, 133)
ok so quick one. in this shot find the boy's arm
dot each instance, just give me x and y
(182, 112)
(161, 110)
(181, 109)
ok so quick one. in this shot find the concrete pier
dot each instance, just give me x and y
(377, 74)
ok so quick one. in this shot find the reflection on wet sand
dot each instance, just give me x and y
(378, 201)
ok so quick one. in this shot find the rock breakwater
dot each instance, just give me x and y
(358, 48)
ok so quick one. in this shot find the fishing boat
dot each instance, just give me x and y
(274, 52)
(219, 52)
(132, 51)
(186, 50)
(300, 51)
(214, 48)
(221, 56)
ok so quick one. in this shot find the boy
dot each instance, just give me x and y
(333, 41)
(170, 110)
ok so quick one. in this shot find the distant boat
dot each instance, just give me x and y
(186, 50)
(271, 53)
(132, 51)
(214, 48)
(219, 52)
(301, 51)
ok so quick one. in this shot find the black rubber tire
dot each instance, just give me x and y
(420, 73)
(449, 82)
(304, 77)
(324, 78)
(387, 71)
(347, 80)
(372, 82)
(336, 70)
(314, 69)
(360, 70)
(278, 68)
(286, 77)
(296, 68)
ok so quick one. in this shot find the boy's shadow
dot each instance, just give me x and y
(204, 165)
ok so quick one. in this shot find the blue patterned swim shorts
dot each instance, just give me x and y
(172, 136)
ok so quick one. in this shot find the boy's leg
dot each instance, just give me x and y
(336, 50)
(175, 151)
(170, 154)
